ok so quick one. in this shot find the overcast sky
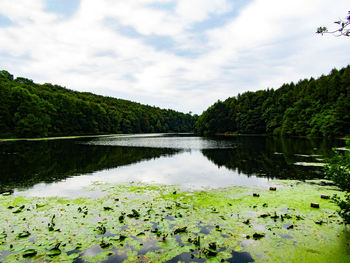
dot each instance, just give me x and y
(183, 55)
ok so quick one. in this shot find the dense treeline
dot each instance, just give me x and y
(28, 109)
(312, 107)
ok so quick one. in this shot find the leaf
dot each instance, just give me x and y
(100, 229)
(258, 236)
(29, 253)
(105, 244)
(54, 252)
(19, 209)
(134, 214)
(180, 230)
(23, 234)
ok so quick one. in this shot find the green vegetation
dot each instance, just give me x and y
(342, 30)
(312, 107)
(149, 223)
(28, 109)
(338, 170)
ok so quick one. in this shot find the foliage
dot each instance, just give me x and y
(338, 170)
(312, 107)
(343, 29)
(344, 205)
(28, 109)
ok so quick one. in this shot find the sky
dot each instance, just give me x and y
(177, 54)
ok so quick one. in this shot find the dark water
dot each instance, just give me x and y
(64, 167)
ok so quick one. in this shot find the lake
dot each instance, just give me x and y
(65, 167)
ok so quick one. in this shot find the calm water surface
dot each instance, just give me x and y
(65, 167)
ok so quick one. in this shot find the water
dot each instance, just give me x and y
(66, 167)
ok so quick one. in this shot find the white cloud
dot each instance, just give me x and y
(268, 43)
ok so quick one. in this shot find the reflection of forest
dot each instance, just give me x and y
(272, 157)
(25, 163)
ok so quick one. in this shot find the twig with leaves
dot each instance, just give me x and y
(343, 30)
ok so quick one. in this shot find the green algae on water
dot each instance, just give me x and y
(152, 223)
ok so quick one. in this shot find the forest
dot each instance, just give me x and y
(32, 110)
(312, 107)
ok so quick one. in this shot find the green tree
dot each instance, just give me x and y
(338, 170)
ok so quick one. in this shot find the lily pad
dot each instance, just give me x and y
(29, 253)
(54, 252)
(23, 234)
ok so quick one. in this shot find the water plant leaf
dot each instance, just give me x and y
(101, 229)
(54, 252)
(19, 209)
(258, 235)
(153, 238)
(180, 230)
(134, 214)
(23, 234)
(29, 253)
(105, 244)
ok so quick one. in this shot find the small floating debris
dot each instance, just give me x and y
(315, 205)
(273, 188)
(256, 194)
(325, 196)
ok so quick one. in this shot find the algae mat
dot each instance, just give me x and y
(148, 223)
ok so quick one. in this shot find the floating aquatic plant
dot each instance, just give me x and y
(163, 223)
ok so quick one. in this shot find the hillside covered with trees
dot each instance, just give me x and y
(312, 107)
(28, 109)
